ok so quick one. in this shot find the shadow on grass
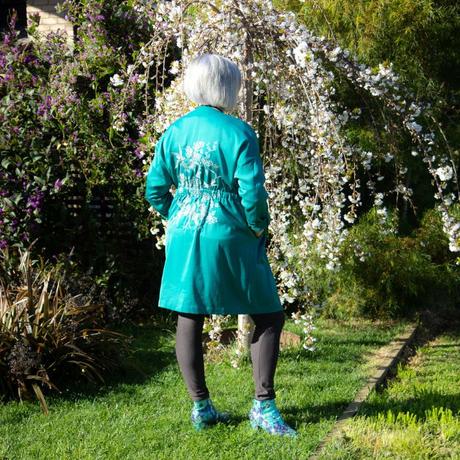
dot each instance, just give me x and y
(152, 352)
(297, 415)
(446, 345)
(425, 400)
(19, 414)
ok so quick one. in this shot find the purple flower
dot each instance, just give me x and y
(45, 106)
(34, 201)
(97, 17)
(8, 76)
(134, 78)
(139, 153)
(73, 98)
(3, 244)
(30, 58)
(58, 184)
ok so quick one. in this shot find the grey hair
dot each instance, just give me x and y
(211, 79)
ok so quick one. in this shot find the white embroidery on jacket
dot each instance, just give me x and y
(198, 206)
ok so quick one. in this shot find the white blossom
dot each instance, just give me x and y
(445, 173)
(116, 80)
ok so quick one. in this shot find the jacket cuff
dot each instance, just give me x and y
(263, 229)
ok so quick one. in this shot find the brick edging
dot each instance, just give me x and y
(384, 359)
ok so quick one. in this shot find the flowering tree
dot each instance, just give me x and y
(314, 173)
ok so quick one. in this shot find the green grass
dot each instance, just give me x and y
(147, 416)
(416, 417)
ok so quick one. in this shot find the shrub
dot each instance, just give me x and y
(386, 275)
(67, 179)
(46, 334)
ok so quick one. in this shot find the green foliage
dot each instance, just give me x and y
(383, 274)
(68, 179)
(386, 275)
(54, 130)
(418, 36)
(31, 132)
(47, 334)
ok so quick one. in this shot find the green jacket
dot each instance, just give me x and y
(215, 263)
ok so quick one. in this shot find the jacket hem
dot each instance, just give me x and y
(222, 312)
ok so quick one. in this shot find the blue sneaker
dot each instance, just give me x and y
(204, 414)
(265, 414)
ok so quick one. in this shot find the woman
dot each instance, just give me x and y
(217, 222)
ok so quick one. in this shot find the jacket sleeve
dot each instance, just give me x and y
(250, 176)
(158, 182)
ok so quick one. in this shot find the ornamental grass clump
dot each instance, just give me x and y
(47, 335)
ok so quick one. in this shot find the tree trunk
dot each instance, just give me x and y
(246, 330)
(245, 324)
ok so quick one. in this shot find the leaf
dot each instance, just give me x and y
(85, 366)
(41, 398)
(39, 180)
(42, 379)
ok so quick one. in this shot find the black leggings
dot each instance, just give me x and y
(264, 353)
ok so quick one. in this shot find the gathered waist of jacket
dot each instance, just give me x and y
(205, 190)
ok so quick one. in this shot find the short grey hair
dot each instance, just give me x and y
(211, 79)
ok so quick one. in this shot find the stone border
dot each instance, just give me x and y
(383, 361)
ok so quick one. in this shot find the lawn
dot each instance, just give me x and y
(145, 415)
(416, 417)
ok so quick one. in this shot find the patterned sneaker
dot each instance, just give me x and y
(204, 414)
(265, 414)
